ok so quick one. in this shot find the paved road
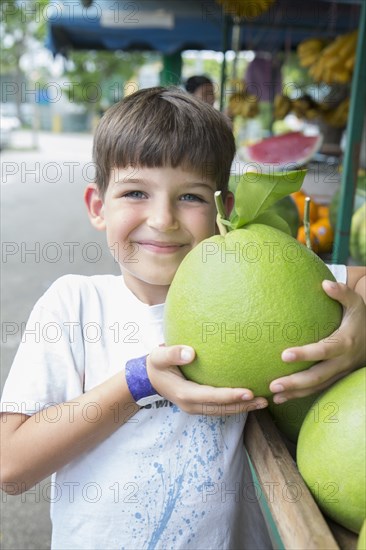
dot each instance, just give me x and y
(45, 234)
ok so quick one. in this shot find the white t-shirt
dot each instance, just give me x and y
(165, 479)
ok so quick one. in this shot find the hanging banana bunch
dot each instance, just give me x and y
(303, 107)
(306, 108)
(329, 63)
(282, 106)
(308, 51)
(243, 104)
(338, 116)
(247, 9)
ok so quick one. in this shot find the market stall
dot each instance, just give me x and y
(174, 26)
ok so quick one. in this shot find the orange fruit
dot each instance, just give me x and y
(313, 238)
(299, 198)
(324, 233)
(323, 211)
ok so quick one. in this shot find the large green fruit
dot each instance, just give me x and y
(241, 299)
(331, 451)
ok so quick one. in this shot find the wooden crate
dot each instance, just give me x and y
(299, 522)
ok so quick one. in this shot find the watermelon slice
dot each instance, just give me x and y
(286, 151)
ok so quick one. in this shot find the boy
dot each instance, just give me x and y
(142, 458)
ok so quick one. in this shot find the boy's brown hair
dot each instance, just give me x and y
(157, 127)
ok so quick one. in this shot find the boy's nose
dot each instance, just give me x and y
(162, 218)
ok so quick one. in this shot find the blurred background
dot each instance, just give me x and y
(276, 67)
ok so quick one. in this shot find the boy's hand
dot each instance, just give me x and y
(338, 354)
(194, 398)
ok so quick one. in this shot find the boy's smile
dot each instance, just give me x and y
(160, 247)
(153, 217)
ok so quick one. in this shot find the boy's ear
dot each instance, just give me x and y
(229, 203)
(95, 206)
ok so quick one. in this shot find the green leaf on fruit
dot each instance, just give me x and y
(274, 220)
(255, 193)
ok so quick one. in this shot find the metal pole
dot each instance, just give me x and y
(353, 144)
(235, 45)
(225, 42)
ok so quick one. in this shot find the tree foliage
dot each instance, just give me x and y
(97, 79)
(21, 22)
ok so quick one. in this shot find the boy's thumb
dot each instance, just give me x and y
(164, 356)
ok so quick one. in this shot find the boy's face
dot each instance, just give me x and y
(153, 217)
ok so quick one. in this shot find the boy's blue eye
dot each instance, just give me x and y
(192, 198)
(134, 195)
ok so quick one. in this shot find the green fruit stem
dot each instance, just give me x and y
(307, 222)
(220, 213)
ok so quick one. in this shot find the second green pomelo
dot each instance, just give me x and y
(331, 451)
(289, 416)
(241, 299)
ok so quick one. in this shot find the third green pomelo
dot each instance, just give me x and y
(331, 450)
(240, 299)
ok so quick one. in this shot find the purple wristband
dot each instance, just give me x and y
(138, 381)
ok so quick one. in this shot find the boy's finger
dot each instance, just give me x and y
(318, 351)
(208, 394)
(315, 376)
(199, 397)
(166, 356)
(341, 292)
(279, 398)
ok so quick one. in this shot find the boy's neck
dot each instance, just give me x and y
(147, 293)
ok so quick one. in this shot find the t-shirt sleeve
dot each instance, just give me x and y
(339, 272)
(48, 366)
